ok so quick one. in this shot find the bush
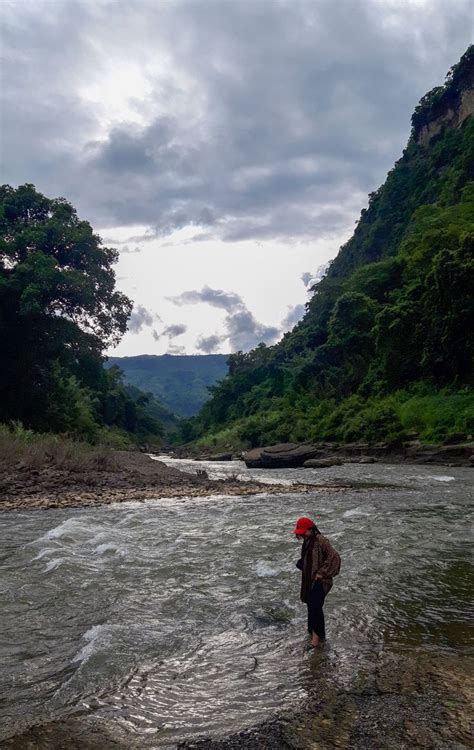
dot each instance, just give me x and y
(439, 416)
(435, 416)
(377, 421)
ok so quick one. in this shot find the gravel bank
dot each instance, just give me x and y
(129, 476)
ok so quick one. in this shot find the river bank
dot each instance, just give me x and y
(298, 455)
(125, 476)
(404, 704)
(62, 475)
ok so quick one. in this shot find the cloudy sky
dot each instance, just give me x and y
(225, 148)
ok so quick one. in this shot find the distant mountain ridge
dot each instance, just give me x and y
(179, 382)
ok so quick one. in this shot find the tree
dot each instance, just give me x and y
(58, 304)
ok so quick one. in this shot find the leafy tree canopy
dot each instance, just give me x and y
(59, 310)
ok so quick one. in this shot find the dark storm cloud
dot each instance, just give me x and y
(292, 317)
(175, 330)
(141, 318)
(257, 120)
(170, 332)
(242, 330)
(215, 297)
(310, 279)
(209, 344)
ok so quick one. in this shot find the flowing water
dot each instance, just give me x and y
(174, 619)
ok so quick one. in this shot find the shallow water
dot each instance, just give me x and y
(181, 618)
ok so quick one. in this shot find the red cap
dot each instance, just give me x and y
(303, 524)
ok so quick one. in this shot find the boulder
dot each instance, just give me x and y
(458, 452)
(322, 463)
(367, 460)
(253, 458)
(353, 449)
(220, 457)
(281, 456)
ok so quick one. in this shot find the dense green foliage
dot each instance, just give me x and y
(59, 310)
(180, 382)
(386, 346)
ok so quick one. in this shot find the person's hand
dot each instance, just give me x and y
(318, 578)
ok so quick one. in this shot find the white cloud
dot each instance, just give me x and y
(223, 145)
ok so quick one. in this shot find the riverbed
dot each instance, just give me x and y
(147, 625)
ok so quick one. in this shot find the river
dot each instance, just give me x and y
(154, 623)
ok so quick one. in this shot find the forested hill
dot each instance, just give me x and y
(385, 349)
(180, 382)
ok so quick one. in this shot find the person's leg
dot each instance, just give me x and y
(315, 614)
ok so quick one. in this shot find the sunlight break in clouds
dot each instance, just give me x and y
(236, 123)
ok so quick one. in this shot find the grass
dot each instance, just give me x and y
(22, 447)
(226, 439)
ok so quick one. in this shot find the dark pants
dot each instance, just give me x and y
(315, 610)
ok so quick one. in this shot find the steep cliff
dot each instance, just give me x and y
(386, 347)
(446, 106)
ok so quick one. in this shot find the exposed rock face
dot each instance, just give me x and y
(282, 456)
(452, 118)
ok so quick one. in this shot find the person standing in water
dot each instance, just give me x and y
(319, 563)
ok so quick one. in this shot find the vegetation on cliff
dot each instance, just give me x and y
(385, 349)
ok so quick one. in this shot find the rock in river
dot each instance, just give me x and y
(282, 456)
(220, 457)
(215, 457)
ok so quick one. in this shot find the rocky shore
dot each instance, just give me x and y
(323, 455)
(126, 476)
(407, 703)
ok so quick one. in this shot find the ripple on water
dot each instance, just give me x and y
(95, 635)
(183, 617)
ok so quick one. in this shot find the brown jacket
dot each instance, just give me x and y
(319, 560)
